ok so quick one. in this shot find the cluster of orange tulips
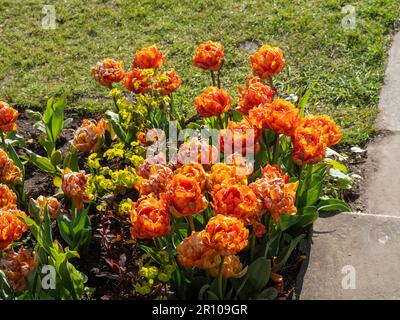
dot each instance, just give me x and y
(185, 191)
(225, 206)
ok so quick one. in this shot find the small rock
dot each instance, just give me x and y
(357, 150)
(356, 176)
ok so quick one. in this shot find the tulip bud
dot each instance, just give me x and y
(56, 158)
(34, 115)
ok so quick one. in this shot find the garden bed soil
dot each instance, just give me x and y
(100, 275)
(358, 169)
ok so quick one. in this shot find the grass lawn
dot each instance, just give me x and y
(344, 67)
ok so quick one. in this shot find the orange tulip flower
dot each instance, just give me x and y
(144, 169)
(11, 227)
(186, 196)
(274, 172)
(193, 253)
(108, 71)
(53, 206)
(168, 82)
(223, 174)
(212, 102)
(281, 200)
(257, 116)
(311, 138)
(209, 56)
(157, 181)
(150, 137)
(309, 145)
(8, 199)
(278, 197)
(253, 80)
(17, 266)
(282, 117)
(8, 117)
(74, 185)
(328, 128)
(88, 134)
(150, 218)
(149, 58)
(255, 94)
(9, 172)
(232, 268)
(277, 194)
(259, 229)
(197, 151)
(225, 234)
(243, 167)
(196, 171)
(242, 135)
(141, 137)
(139, 80)
(238, 201)
(267, 61)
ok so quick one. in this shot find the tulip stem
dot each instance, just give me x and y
(252, 246)
(276, 149)
(218, 79)
(299, 187)
(220, 286)
(269, 242)
(265, 140)
(115, 103)
(270, 82)
(305, 181)
(171, 106)
(308, 176)
(156, 244)
(3, 141)
(221, 123)
(191, 223)
(175, 227)
(213, 78)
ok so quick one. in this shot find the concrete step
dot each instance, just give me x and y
(353, 256)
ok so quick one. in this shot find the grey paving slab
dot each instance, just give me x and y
(382, 176)
(389, 104)
(365, 245)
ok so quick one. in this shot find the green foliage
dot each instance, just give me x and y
(115, 121)
(6, 293)
(311, 185)
(50, 123)
(155, 268)
(53, 120)
(69, 281)
(255, 280)
(71, 160)
(76, 230)
(42, 163)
